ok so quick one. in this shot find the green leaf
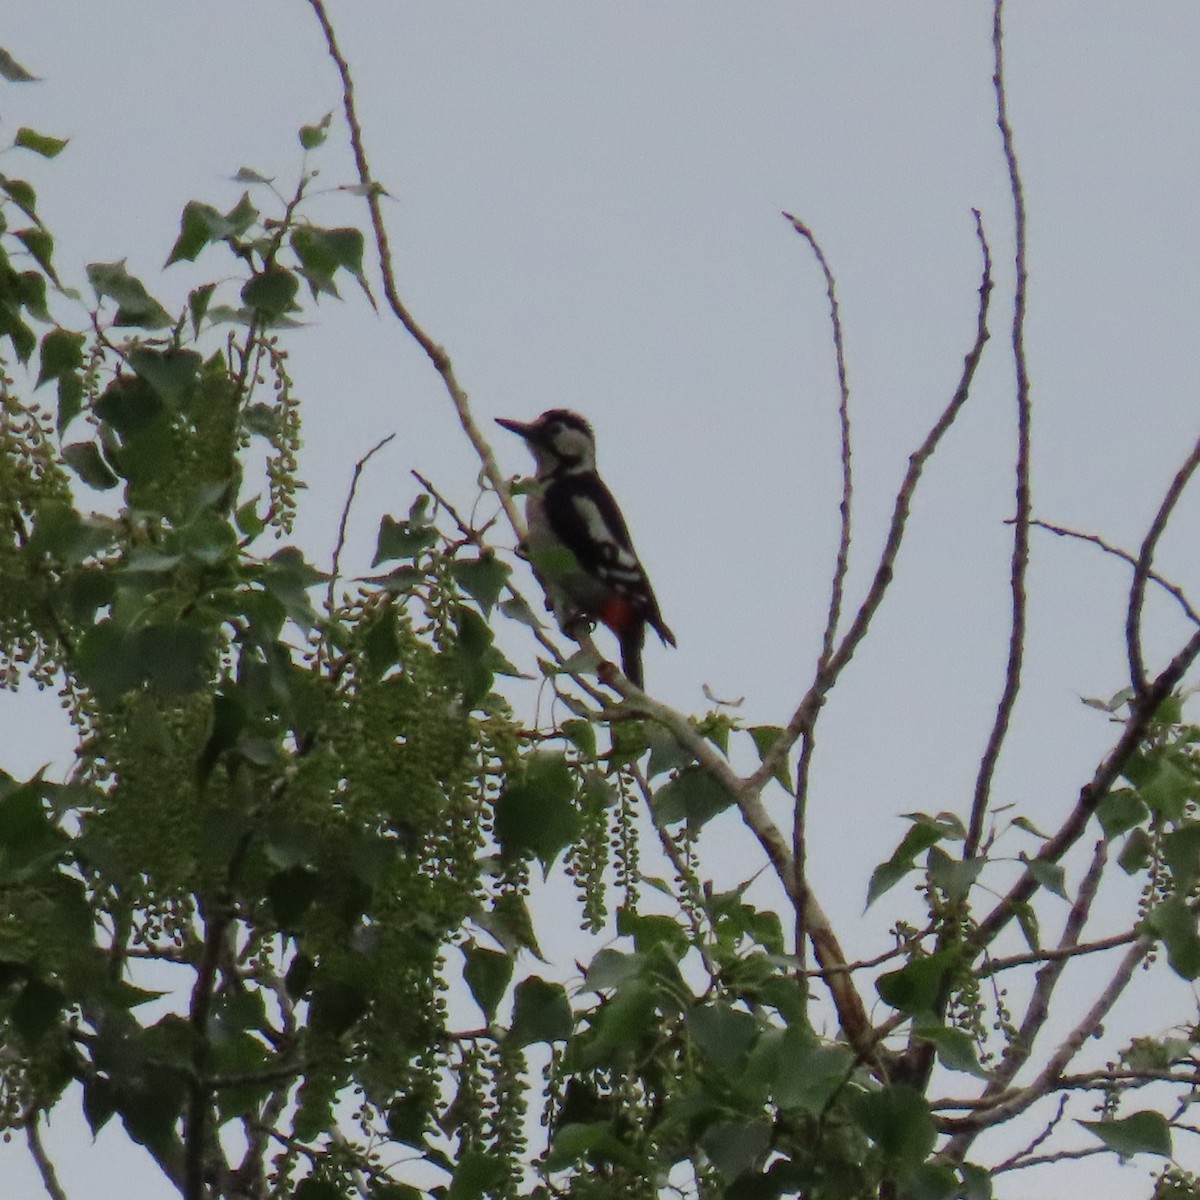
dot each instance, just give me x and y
(516, 609)
(541, 1013)
(39, 143)
(1119, 811)
(1162, 785)
(955, 1049)
(693, 795)
(201, 224)
(765, 736)
(976, 1182)
(135, 305)
(953, 875)
(897, 1120)
(21, 194)
(40, 246)
(1136, 853)
(1144, 1132)
(311, 136)
(536, 814)
(173, 374)
(336, 1006)
(1174, 922)
(476, 1175)
(61, 354)
(36, 1010)
(1050, 875)
(808, 1074)
(582, 735)
(925, 832)
(574, 1142)
(198, 301)
(172, 656)
(735, 1146)
(487, 973)
(724, 1034)
(1181, 848)
(12, 70)
(482, 578)
(402, 539)
(271, 292)
(322, 252)
(291, 893)
(915, 987)
(85, 460)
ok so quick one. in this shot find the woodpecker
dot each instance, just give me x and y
(578, 541)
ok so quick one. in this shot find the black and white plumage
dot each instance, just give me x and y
(578, 541)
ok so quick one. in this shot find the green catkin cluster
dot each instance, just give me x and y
(33, 484)
(283, 462)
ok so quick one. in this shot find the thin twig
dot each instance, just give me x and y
(1124, 555)
(1038, 1008)
(993, 966)
(842, 562)
(965, 1129)
(1142, 716)
(1137, 591)
(1020, 551)
(1038, 1140)
(435, 353)
(45, 1167)
(836, 591)
(341, 535)
(810, 705)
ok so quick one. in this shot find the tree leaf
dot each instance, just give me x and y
(85, 460)
(541, 1013)
(39, 143)
(271, 292)
(1144, 1132)
(487, 973)
(536, 814)
(897, 1120)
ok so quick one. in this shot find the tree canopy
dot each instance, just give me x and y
(279, 917)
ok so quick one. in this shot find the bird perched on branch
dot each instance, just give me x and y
(578, 541)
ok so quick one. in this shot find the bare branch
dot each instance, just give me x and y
(1038, 1008)
(33, 1138)
(965, 1129)
(806, 713)
(1020, 551)
(843, 554)
(1124, 555)
(1140, 720)
(1137, 591)
(994, 966)
(836, 591)
(341, 535)
(436, 354)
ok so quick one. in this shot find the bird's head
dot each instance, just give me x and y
(559, 440)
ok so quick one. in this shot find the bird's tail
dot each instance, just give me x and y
(632, 640)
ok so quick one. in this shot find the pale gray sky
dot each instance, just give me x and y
(586, 215)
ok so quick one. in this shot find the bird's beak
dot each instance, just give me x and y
(518, 427)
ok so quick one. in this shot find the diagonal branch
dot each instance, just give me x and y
(965, 1129)
(1020, 552)
(1137, 591)
(827, 675)
(1144, 710)
(836, 591)
(33, 1138)
(436, 354)
(842, 562)
(1170, 588)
